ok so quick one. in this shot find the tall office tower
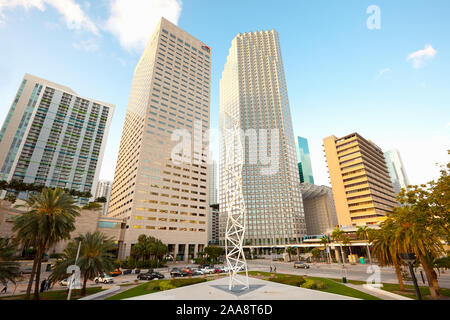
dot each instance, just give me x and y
(304, 161)
(104, 191)
(320, 212)
(158, 193)
(396, 170)
(212, 169)
(253, 96)
(362, 188)
(54, 137)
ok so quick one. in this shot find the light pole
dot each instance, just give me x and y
(70, 283)
(410, 258)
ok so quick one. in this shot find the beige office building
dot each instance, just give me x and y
(157, 195)
(362, 188)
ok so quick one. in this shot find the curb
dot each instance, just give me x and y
(384, 292)
(102, 293)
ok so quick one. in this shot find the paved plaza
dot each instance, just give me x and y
(259, 290)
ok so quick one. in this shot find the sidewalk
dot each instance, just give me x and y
(379, 293)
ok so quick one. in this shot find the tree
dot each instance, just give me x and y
(101, 200)
(11, 198)
(50, 218)
(316, 253)
(324, 241)
(291, 251)
(93, 206)
(338, 235)
(362, 233)
(9, 268)
(95, 258)
(386, 248)
(214, 252)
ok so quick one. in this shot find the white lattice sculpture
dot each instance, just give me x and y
(234, 198)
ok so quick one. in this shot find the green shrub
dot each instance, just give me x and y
(309, 284)
(321, 285)
(163, 286)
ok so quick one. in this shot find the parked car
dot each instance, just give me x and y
(150, 276)
(137, 271)
(176, 272)
(197, 272)
(104, 279)
(208, 270)
(64, 282)
(127, 271)
(301, 265)
(115, 273)
(189, 271)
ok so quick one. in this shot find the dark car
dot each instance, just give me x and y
(128, 271)
(301, 265)
(150, 276)
(176, 272)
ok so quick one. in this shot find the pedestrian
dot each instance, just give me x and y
(5, 288)
(275, 269)
(270, 269)
(43, 285)
(48, 284)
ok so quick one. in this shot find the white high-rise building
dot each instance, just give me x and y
(159, 195)
(253, 96)
(54, 137)
(104, 191)
(396, 170)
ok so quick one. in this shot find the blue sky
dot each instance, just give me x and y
(341, 76)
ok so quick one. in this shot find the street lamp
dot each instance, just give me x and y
(409, 259)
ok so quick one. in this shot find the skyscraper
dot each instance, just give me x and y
(54, 137)
(104, 191)
(362, 188)
(253, 97)
(158, 193)
(396, 170)
(320, 212)
(304, 161)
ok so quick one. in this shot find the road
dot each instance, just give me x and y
(354, 272)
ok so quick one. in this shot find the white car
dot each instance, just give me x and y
(208, 270)
(104, 279)
(64, 282)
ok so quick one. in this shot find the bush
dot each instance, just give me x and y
(163, 286)
(309, 284)
(55, 255)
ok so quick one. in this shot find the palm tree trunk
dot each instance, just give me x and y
(32, 276)
(38, 275)
(432, 283)
(85, 279)
(398, 272)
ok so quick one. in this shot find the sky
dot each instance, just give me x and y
(385, 76)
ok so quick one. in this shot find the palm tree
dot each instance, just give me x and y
(386, 248)
(363, 234)
(50, 218)
(325, 240)
(291, 251)
(338, 235)
(9, 268)
(95, 258)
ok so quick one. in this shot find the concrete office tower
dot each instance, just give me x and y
(159, 195)
(54, 137)
(320, 212)
(212, 169)
(304, 161)
(253, 96)
(104, 191)
(362, 188)
(396, 170)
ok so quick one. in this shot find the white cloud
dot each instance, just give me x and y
(74, 16)
(382, 72)
(419, 56)
(86, 45)
(133, 21)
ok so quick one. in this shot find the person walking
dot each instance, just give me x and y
(270, 269)
(5, 289)
(43, 285)
(275, 269)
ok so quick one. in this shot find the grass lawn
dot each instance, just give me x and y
(331, 285)
(57, 294)
(155, 286)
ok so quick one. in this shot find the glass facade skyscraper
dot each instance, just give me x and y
(304, 161)
(396, 170)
